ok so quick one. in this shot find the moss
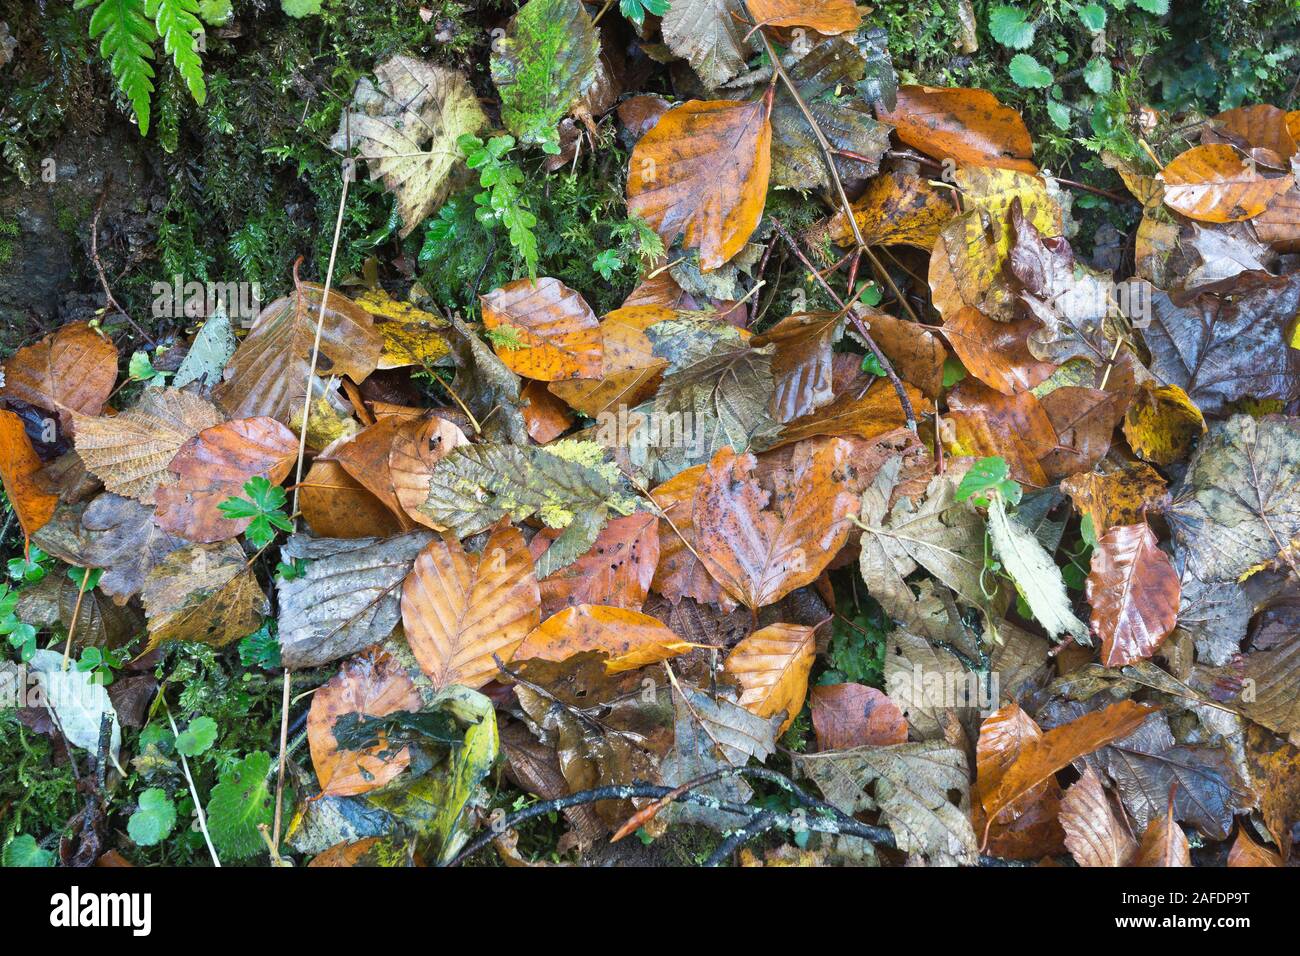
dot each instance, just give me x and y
(8, 233)
(37, 793)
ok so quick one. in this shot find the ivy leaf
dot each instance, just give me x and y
(1028, 72)
(1010, 28)
(542, 66)
(153, 819)
(198, 737)
(240, 802)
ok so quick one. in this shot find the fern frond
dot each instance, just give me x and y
(126, 41)
(177, 22)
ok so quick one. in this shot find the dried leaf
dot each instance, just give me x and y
(336, 505)
(1095, 832)
(616, 570)
(1214, 184)
(680, 573)
(969, 126)
(1116, 494)
(205, 593)
(555, 333)
(1134, 590)
(71, 370)
(1036, 575)
(825, 16)
(853, 715)
(710, 34)
(1164, 843)
(19, 466)
(629, 639)
(121, 537)
(629, 371)
(1028, 828)
(772, 667)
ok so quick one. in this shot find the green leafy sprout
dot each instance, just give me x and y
(264, 505)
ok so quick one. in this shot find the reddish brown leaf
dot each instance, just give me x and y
(1246, 852)
(853, 715)
(1164, 843)
(70, 370)
(336, 505)
(1028, 828)
(1095, 831)
(545, 416)
(616, 570)
(630, 639)
(411, 460)
(984, 423)
(1134, 591)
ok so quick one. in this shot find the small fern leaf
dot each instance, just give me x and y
(177, 22)
(126, 41)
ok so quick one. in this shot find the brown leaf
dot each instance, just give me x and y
(559, 333)
(1164, 843)
(205, 593)
(365, 457)
(702, 173)
(1114, 494)
(801, 364)
(1275, 774)
(760, 543)
(1246, 852)
(969, 126)
(997, 353)
(458, 611)
(986, 424)
(616, 570)
(680, 573)
(70, 370)
(267, 375)
(1214, 184)
(828, 17)
(916, 353)
(898, 207)
(546, 416)
(867, 411)
(1262, 126)
(629, 639)
(121, 537)
(772, 667)
(130, 452)
(213, 466)
(845, 716)
(369, 686)
(1095, 831)
(1084, 420)
(19, 465)
(1134, 591)
(411, 460)
(1028, 828)
(336, 505)
(630, 371)
(1058, 747)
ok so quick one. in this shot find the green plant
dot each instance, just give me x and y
(22, 850)
(198, 737)
(261, 648)
(264, 506)
(635, 10)
(153, 819)
(140, 369)
(502, 200)
(986, 477)
(127, 30)
(857, 645)
(238, 804)
(21, 635)
(101, 663)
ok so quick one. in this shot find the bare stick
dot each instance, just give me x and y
(109, 301)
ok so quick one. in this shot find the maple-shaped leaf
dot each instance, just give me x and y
(1238, 508)
(702, 174)
(130, 452)
(206, 593)
(347, 598)
(405, 125)
(72, 369)
(458, 610)
(369, 685)
(913, 785)
(761, 543)
(1228, 342)
(554, 334)
(772, 667)
(267, 375)
(628, 638)
(567, 485)
(1134, 590)
(1096, 833)
(542, 66)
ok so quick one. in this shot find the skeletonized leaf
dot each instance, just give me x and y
(348, 598)
(459, 610)
(130, 452)
(406, 126)
(1133, 589)
(702, 173)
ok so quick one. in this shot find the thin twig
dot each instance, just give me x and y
(109, 301)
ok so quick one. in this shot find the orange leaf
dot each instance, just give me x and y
(1246, 852)
(545, 416)
(897, 207)
(1058, 747)
(629, 638)
(996, 353)
(616, 570)
(630, 370)
(702, 173)
(1262, 126)
(1116, 494)
(70, 370)
(772, 667)
(1028, 828)
(19, 465)
(458, 611)
(1215, 184)
(336, 505)
(1134, 591)
(1095, 831)
(365, 457)
(857, 413)
(213, 466)
(854, 715)
(969, 126)
(825, 16)
(680, 572)
(411, 460)
(759, 543)
(915, 352)
(1164, 843)
(370, 686)
(985, 423)
(559, 332)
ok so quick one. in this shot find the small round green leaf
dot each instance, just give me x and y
(1028, 72)
(154, 819)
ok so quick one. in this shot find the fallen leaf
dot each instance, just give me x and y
(680, 573)
(458, 611)
(630, 371)
(969, 126)
(1095, 831)
(73, 369)
(1116, 494)
(1163, 844)
(989, 424)
(616, 570)
(1134, 590)
(121, 537)
(826, 16)
(772, 667)
(19, 466)
(711, 35)
(702, 171)
(1246, 852)
(1036, 575)
(853, 715)
(1029, 827)
(336, 505)
(898, 207)
(554, 333)
(205, 593)
(1214, 184)
(368, 686)
(1162, 425)
(547, 417)
(801, 362)
(629, 639)
(411, 460)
